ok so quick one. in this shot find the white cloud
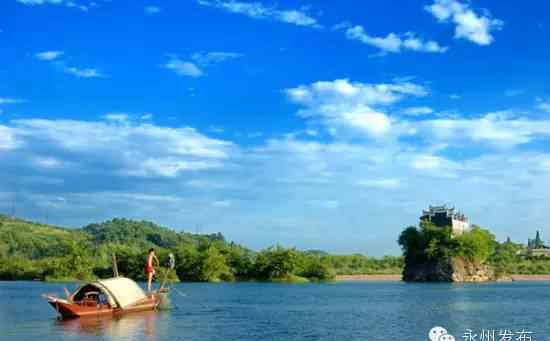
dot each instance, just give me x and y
(84, 72)
(206, 58)
(297, 17)
(9, 100)
(342, 104)
(394, 43)
(355, 93)
(257, 10)
(171, 167)
(427, 162)
(40, 2)
(143, 150)
(383, 183)
(83, 8)
(53, 56)
(146, 116)
(49, 55)
(152, 9)
(544, 106)
(206, 184)
(116, 117)
(469, 25)
(198, 61)
(345, 108)
(311, 132)
(434, 165)
(418, 111)
(183, 68)
(375, 124)
(222, 203)
(500, 130)
(47, 162)
(8, 140)
(67, 3)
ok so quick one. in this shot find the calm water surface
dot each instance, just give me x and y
(258, 311)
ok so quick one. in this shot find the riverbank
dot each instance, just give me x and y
(397, 278)
(530, 278)
(378, 278)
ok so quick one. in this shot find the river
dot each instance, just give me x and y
(264, 311)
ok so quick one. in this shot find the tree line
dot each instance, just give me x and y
(32, 251)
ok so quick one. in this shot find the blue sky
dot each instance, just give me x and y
(322, 125)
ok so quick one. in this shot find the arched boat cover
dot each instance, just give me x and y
(121, 290)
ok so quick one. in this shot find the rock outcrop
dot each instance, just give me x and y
(453, 269)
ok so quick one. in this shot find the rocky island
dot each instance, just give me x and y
(452, 269)
(445, 248)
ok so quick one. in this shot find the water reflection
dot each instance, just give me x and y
(128, 327)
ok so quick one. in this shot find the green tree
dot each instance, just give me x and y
(413, 243)
(213, 267)
(276, 263)
(317, 268)
(476, 244)
(239, 260)
(505, 257)
(187, 262)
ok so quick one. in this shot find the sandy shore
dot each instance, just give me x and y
(368, 278)
(530, 277)
(393, 278)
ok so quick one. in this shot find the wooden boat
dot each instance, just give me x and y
(113, 296)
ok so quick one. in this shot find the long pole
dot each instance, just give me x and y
(171, 265)
(163, 283)
(115, 266)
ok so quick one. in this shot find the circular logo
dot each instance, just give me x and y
(446, 337)
(436, 332)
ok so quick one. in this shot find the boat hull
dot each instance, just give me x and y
(68, 310)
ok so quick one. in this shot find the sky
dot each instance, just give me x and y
(320, 125)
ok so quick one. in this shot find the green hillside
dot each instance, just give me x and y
(143, 234)
(32, 240)
(30, 250)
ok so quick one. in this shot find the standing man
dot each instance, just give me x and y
(149, 269)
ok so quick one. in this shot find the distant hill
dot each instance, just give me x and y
(23, 238)
(31, 250)
(34, 240)
(142, 233)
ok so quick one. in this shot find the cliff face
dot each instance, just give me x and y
(454, 269)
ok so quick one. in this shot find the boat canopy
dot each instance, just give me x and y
(124, 291)
(121, 292)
